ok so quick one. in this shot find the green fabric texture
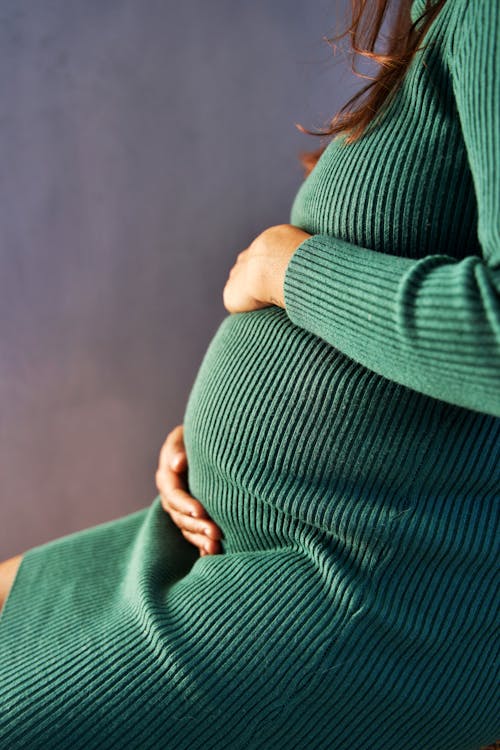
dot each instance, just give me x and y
(422, 310)
(349, 448)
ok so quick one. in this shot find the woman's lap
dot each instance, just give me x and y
(123, 637)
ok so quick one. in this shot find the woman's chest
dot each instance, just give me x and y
(405, 188)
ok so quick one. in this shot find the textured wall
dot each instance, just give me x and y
(142, 146)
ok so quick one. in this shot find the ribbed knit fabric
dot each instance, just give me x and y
(349, 448)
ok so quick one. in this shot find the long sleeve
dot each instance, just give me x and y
(433, 323)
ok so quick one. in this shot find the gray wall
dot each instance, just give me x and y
(143, 144)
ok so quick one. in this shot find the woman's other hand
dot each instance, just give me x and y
(257, 278)
(185, 511)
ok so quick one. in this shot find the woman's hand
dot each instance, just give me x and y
(257, 278)
(185, 511)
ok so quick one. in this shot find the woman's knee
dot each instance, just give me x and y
(8, 570)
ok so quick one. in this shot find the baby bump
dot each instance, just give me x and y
(278, 415)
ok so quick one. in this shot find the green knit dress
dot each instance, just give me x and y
(349, 448)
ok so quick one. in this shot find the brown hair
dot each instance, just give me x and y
(403, 43)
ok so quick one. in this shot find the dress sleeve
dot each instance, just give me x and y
(431, 324)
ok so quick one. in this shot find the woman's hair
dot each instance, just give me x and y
(402, 44)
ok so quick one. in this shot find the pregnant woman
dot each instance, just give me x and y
(342, 448)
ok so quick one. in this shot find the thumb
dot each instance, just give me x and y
(178, 460)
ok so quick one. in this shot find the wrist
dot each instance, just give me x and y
(271, 281)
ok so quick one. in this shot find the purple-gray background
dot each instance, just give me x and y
(143, 144)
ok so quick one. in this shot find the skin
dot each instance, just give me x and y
(255, 281)
(257, 278)
(8, 570)
(185, 511)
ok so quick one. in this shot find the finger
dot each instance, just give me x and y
(185, 503)
(173, 486)
(208, 545)
(172, 490)
(195, 525)
(169, 481)
(173, 451)
(177, 458)
(178, 462)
